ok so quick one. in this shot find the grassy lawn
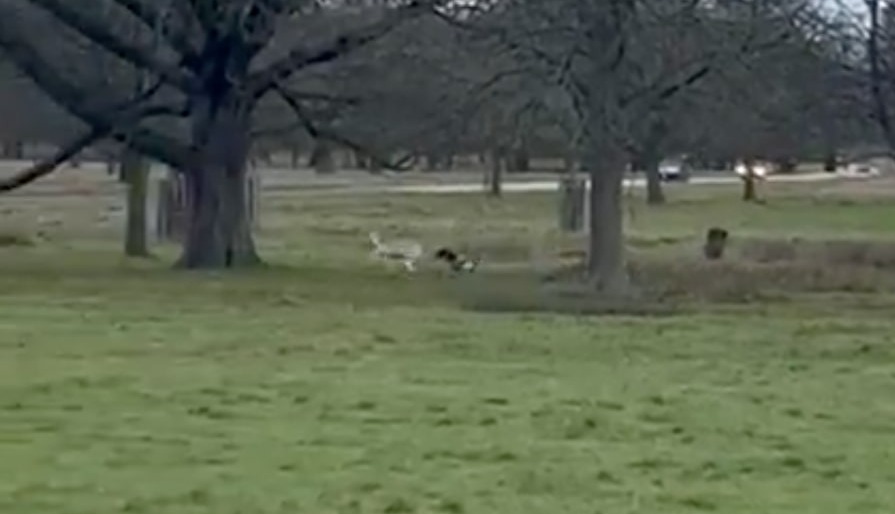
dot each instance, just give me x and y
(327, 384)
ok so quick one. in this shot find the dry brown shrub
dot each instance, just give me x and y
(11, 240)
(520, 294)
(668, 286)
(743, 281)
(857, 253)
(768, 250)
(758, 270)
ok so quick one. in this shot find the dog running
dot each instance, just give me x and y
(458, 262)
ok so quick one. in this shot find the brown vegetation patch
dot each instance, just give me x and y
(13, 240)
(759, 271)
(874, 254)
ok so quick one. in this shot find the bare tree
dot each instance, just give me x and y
(864, 34)
(619, 62)
(217, 60)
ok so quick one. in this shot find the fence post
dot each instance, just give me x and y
(172, 204)
(572, 204)
(253, 197)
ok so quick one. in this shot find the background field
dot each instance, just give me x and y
(328, 383)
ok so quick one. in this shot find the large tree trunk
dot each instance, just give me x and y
(135, 174)
(605, 165)
(219, 232)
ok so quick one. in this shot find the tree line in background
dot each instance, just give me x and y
(207, 85)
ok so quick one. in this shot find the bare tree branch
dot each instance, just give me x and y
(263, 81)
(125, 116)
(96, 30)
(30, 61)
(319, 132)
(44, 168)
(880, 106)
(177, 37)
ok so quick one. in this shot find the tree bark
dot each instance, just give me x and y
(605, 164)
(654, 193)
(135, 174)
(219, 233)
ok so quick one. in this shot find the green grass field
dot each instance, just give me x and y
(328, 384)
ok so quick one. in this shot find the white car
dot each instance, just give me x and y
(859, 169)
(672, 169)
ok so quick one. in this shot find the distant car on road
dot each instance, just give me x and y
(671, 170)
(859, 169)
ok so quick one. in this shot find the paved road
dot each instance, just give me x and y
(92, 178)
(553, 185)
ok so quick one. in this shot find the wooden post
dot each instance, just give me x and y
(153, 191)
(171, 212)
(253, 196)
(572, 204)
(163, 210)
(135, 174)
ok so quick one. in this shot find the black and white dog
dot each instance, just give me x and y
(457, 262)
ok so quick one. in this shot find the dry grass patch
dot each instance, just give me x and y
(10, 240)
(853, 253)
